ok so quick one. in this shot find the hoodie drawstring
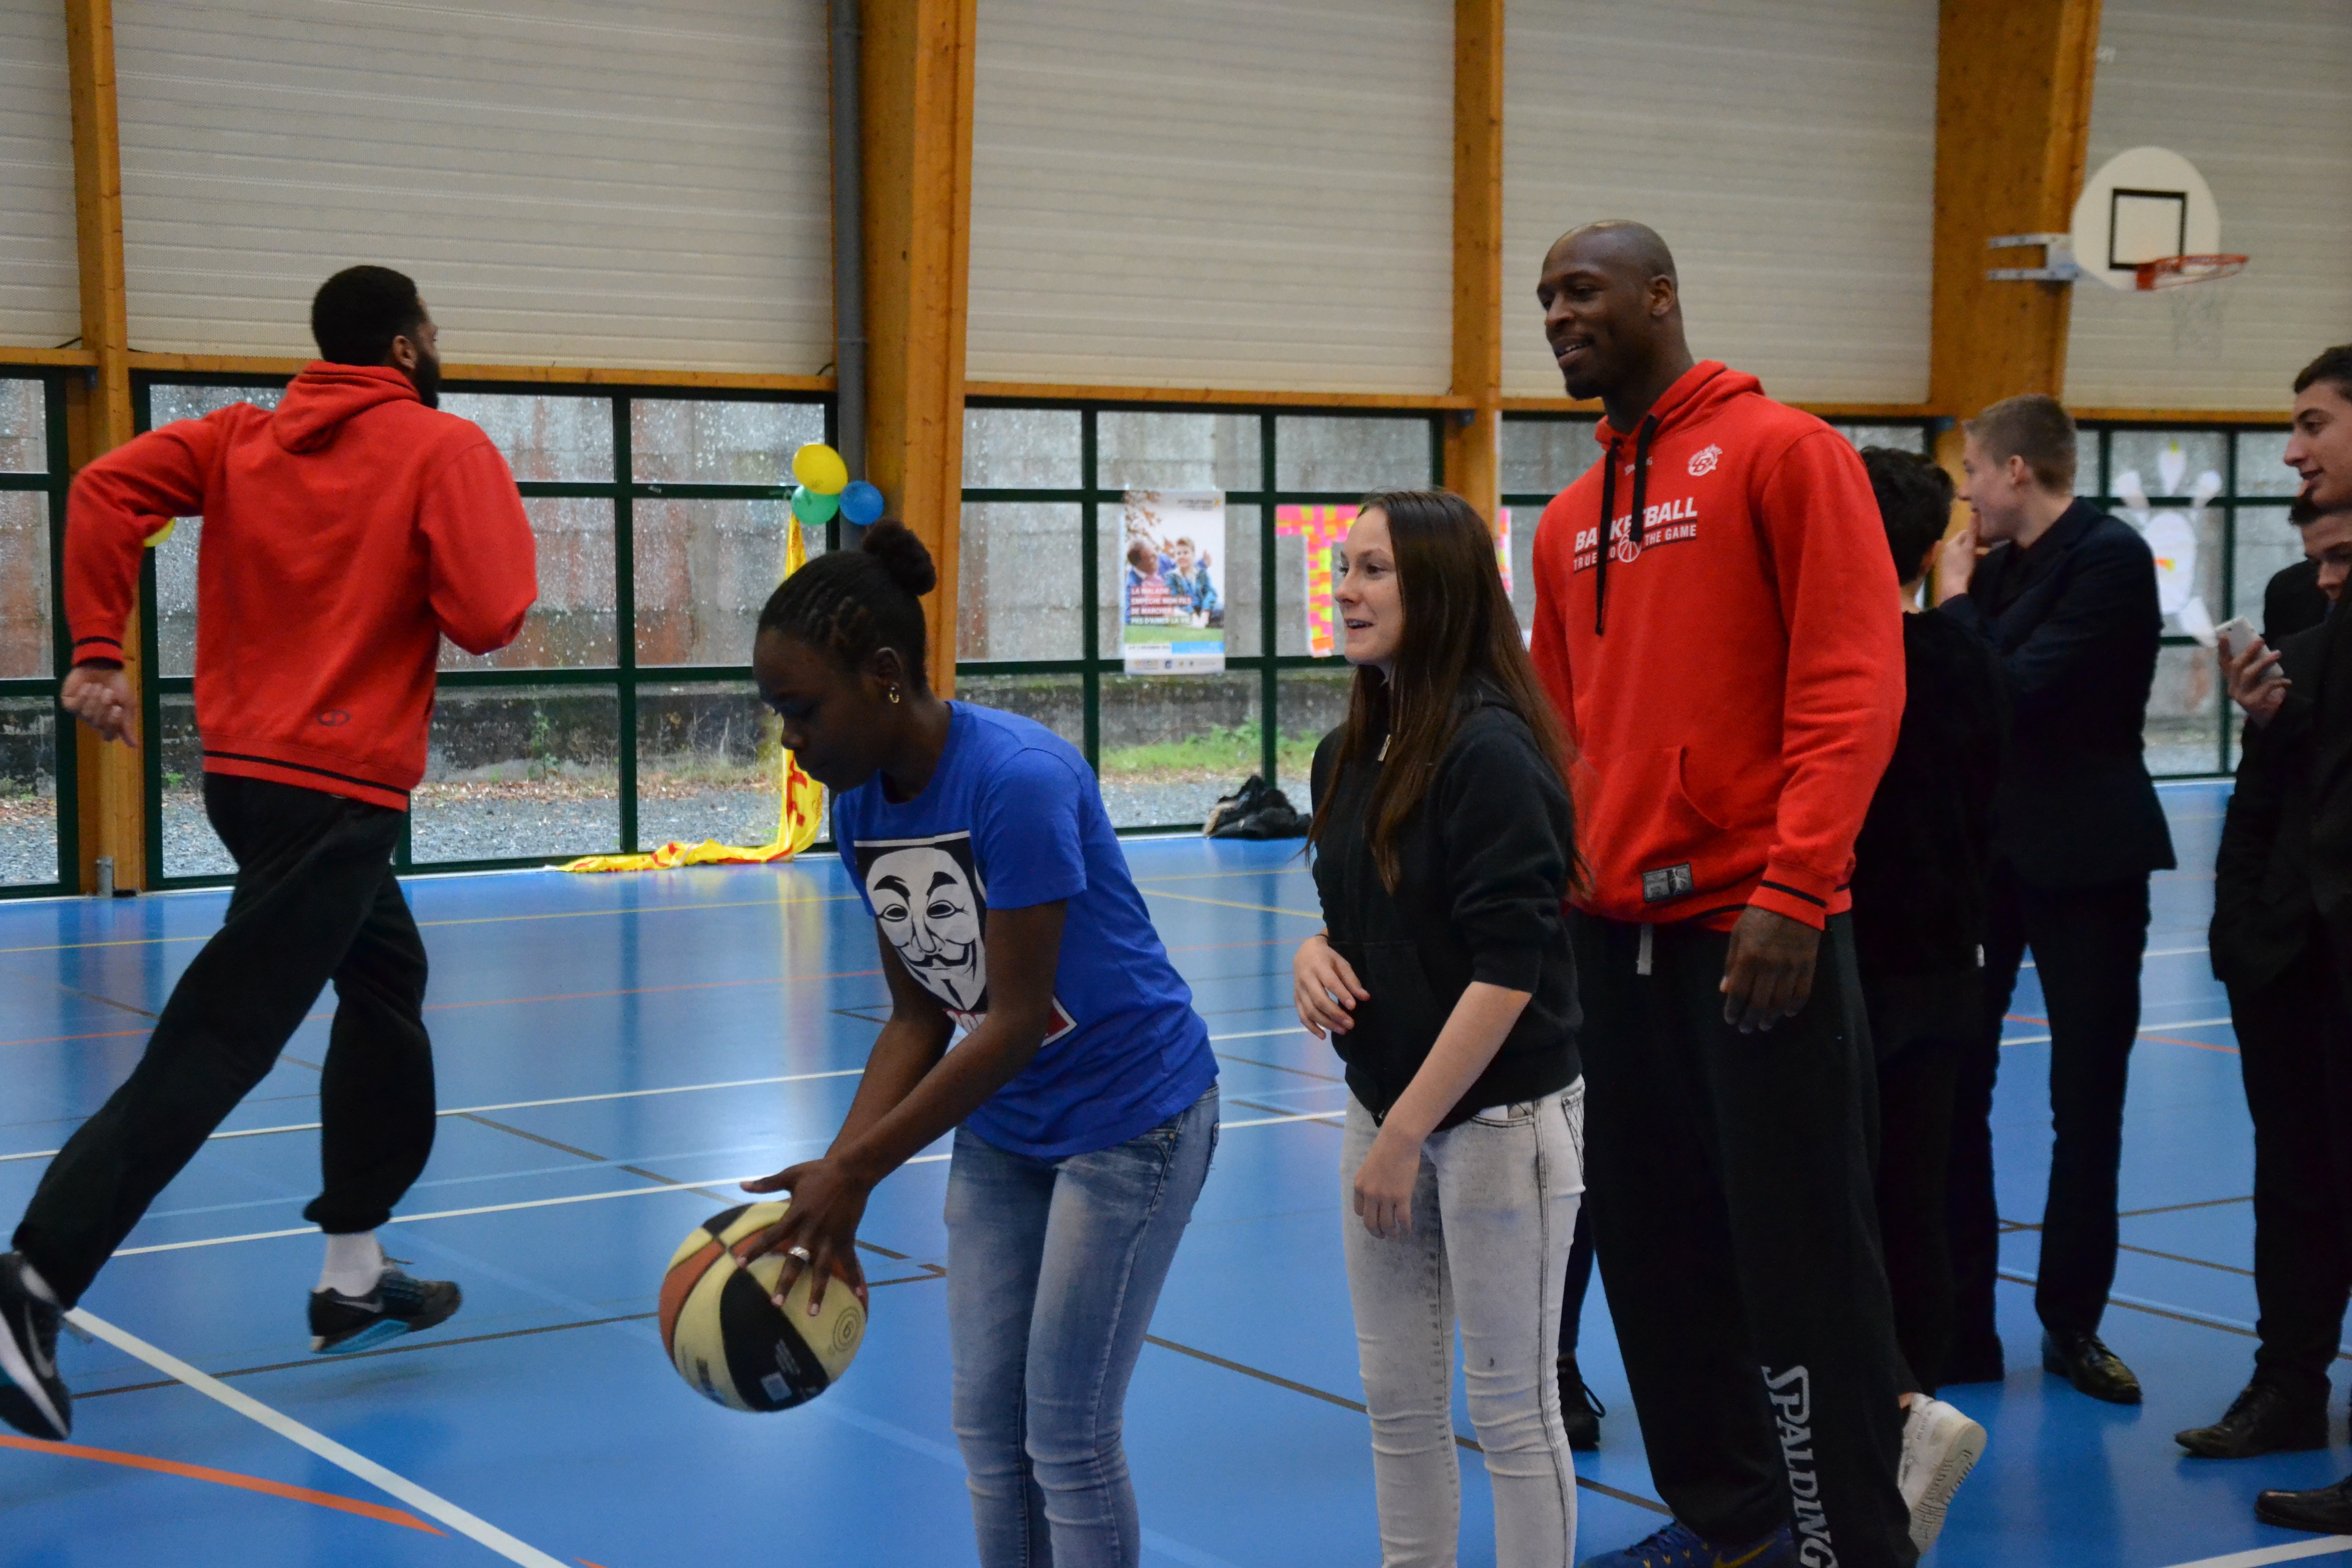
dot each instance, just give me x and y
(1642, 436)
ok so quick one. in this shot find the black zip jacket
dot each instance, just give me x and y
(1484, 865)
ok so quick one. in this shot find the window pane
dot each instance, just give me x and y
(24, 430)
(2167, 461)
(24, 645)
(190, 846)
(170, 400)
(1902, 437)
(1543, 456)
(1242, 635)
(542, 436)
(516, 770)
(1056, 702)
(2262, 465)
(570, 627)
(1523, 522)
(28, 791)
(2267, 544)
(1020, 584)
(1177, 451)
(1312, 703)
(2184, 713)
(1318, 452)
(1172, 743)
(707, 441)
(706, 765)
(2187, 549)
(704, 570)
(2087, 461)
(176, 601)
(1022, 449)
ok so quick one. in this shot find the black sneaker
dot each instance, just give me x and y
(398, 1305)
(33, 1397)
(1578, 1410)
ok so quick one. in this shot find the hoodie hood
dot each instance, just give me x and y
(1697, 393)
(324, 395)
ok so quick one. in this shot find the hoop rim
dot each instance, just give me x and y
(2180, 271)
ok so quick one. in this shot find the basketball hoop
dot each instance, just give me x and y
(2197, 288)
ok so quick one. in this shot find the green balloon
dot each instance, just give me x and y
(811, 508)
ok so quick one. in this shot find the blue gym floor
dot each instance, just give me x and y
(604, 1042)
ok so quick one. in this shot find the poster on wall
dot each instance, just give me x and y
(1321, 529)
(1503, 546)
(1172, 614)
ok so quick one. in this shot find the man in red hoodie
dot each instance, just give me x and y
(345, 535)
(1715, 619)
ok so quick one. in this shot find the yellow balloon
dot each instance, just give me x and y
(820, 467)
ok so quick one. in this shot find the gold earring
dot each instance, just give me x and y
(894, 697)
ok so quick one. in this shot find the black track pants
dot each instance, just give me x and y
(2294, 1047)
(315, 902)
(1729, 1180)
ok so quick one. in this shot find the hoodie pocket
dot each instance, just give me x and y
(1636, 814)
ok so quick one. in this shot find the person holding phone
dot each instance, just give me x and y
(1445, 843)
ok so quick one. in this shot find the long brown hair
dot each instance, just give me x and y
(1461, 642)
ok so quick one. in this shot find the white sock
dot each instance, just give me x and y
(34, 1283)
(355, 1264)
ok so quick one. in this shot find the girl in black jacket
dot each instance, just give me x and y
(1444, 843)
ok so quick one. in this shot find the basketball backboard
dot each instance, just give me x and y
(2142, 206)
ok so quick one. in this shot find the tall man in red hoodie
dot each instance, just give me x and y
(345, 534)
(1715, 618)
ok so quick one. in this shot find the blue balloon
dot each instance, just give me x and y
(861, 503)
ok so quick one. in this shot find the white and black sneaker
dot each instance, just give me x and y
(398, 1305)
(1940, 1446)
(33, 1397)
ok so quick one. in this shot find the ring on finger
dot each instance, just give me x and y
(800, 1252)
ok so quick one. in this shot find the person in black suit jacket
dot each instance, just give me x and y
(2066, 597)
(2295, 1032)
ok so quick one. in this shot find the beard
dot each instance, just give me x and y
(426, 379)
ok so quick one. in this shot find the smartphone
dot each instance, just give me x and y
(2236, 634)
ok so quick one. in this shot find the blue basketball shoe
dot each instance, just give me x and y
(1680, 1546)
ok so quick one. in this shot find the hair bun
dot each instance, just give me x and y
(903, 555)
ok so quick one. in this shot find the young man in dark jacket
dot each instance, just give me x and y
(2066, 598)
(345, 534)
(1921, 868)
(1715, 623)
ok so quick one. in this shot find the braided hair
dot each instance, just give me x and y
(852, 603)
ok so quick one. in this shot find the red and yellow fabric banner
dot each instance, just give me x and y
(800, 801)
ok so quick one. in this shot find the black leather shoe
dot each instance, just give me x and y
(2090, 1366)
(1578, 1409)
(2326, 1512)
(2261, 1420)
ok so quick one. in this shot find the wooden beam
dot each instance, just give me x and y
(916, 91)
(112, 816)
(1215, 396)
(2014, 83)
(1888, 412)
(69, 358)
(1474, 436)
(537, 374)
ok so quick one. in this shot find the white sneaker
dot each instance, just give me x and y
(1940, 1446)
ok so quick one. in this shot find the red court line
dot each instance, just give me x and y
(222, 1478)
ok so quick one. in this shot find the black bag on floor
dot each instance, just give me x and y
(1257, 810)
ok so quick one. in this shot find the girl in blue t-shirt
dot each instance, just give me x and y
(1083, 1096)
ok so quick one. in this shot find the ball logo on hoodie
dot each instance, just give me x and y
(1703, 460)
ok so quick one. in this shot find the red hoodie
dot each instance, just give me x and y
(344, 536)
(1732, 675)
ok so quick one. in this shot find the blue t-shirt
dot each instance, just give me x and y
(1013, 817)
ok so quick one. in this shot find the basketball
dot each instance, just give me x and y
(722, 1330)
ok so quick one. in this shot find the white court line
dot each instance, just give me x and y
(2183, 1024)
(326, 1448)
(2324, 1546)
(513, 1105)
(595, 1197)
(2155, 953)
(1258, 1034)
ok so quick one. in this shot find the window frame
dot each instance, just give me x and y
(623, 678)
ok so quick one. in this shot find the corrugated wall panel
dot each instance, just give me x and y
(571, 182)
(40, 289)
(1786, 149)
(1213, 193)
(2258, 95)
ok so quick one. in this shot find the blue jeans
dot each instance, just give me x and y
(1054, 1267)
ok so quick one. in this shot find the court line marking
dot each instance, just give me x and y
(1231, 904)
(685, 1187)
(399, 1516)
(2324, 1547)
(424, 1502)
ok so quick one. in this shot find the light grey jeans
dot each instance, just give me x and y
(1493, 1213)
